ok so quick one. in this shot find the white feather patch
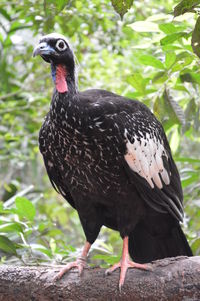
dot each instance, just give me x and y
(165, 177)
(145, 158)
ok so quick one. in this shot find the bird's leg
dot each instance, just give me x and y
(80, 262)
(125, 263)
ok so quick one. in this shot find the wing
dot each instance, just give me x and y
(50, 164)
(146, 154)
(54, 177)
(149, 163)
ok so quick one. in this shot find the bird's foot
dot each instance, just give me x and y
(79, 264)
(125, 264)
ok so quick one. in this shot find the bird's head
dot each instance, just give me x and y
(55, 49)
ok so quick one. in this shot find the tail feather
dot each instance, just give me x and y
(156, 238)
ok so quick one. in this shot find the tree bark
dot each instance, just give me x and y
(170, 279)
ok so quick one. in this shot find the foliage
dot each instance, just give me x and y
(121, 6)
(152, 55)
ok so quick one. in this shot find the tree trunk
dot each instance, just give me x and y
(171, 279)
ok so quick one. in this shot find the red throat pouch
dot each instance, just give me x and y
(61, 82)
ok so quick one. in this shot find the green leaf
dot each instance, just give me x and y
(176, 110)
(168, 111)
(158, 16)
(25, 208)
(196, 246)
(190, 77)
(196, 38)
(45, 251)
(7, 245)
(179, 66)
(60, 4)
(4, 13)
(186, 159)
(180, 87)
(107, 258)
(53, 245)
(170, 59)
(185, 6)
(160, 77)
(1, 207)
(190, 111)
(168, 28)
(136, 80)
(122, 6)
(150, 60)
(41, 248)
(15, 26)
(144, 26)
(173, 37)
(192, 178)
(11, 227)
(175, 140)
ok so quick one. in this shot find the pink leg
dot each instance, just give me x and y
(80, 262)
(125, 263)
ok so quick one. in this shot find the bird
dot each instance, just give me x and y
(109, 157)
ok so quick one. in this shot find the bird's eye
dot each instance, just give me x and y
(60, 45)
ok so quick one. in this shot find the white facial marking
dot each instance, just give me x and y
(60, 45)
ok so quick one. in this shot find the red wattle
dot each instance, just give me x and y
(61, 83)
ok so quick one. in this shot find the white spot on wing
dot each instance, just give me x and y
(165, 177)
(145, 158)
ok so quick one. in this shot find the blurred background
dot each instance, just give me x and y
(150, 54)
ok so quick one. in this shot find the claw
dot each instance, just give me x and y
(113, 268)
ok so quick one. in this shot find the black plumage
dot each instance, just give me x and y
(110, 159)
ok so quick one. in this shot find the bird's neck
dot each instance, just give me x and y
(64, 79)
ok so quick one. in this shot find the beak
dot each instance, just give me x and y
(43, 49)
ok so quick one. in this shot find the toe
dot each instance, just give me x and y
(80, 269)
(122, 277)
(113, 268)
(140, 266)
(63, 271)
(76, 264)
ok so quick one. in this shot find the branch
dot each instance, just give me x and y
(171, 279)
